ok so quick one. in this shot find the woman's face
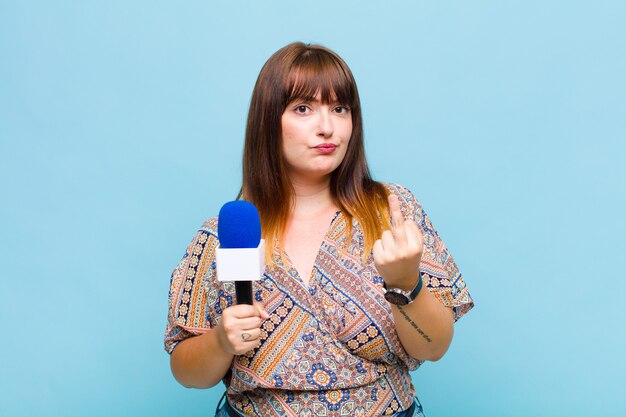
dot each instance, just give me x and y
(315, 138)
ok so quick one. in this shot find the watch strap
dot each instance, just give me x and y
(417, 289)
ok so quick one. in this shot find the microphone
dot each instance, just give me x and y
(240, 256)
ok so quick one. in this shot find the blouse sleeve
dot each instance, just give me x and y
(439, 272)
(196, 298)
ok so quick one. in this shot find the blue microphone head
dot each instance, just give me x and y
(239, 225)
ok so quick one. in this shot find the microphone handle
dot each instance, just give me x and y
(243, 290)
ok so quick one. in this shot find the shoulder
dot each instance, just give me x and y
(407, 199)
(205, 239)
(209, 227)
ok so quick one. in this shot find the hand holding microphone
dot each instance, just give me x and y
(240, 258)
(240, 328)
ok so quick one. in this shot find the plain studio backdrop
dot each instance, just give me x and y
(121, 131)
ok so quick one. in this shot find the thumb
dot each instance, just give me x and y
(264, 314)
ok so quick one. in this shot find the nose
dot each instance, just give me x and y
(325, 126)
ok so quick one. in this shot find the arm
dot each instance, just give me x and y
(425, 326)
(202, 361)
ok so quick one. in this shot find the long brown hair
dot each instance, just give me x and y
(300, 71)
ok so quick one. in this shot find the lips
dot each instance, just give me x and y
(326, 148)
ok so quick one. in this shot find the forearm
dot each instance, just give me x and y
(425, 326)
(200, 361)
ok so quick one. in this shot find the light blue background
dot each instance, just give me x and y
(121, 127)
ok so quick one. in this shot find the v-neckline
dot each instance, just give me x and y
(289, 265)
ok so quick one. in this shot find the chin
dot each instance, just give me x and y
(323, 172)
(317, 173)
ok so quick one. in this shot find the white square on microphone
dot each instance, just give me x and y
(240, 264)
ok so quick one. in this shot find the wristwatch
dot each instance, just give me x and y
(399, 297)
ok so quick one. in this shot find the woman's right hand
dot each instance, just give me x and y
(240, 328)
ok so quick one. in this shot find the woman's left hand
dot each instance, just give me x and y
(397, 254)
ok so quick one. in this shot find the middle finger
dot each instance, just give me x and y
(397, 219)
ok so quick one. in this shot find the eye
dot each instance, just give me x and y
(342, 109)
(302, 109)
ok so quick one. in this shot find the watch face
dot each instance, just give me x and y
(396, 299)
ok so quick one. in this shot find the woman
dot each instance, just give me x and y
(359, 288)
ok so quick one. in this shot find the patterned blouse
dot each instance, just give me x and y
(330, 347)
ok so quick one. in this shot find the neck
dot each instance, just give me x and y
(311, 197)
